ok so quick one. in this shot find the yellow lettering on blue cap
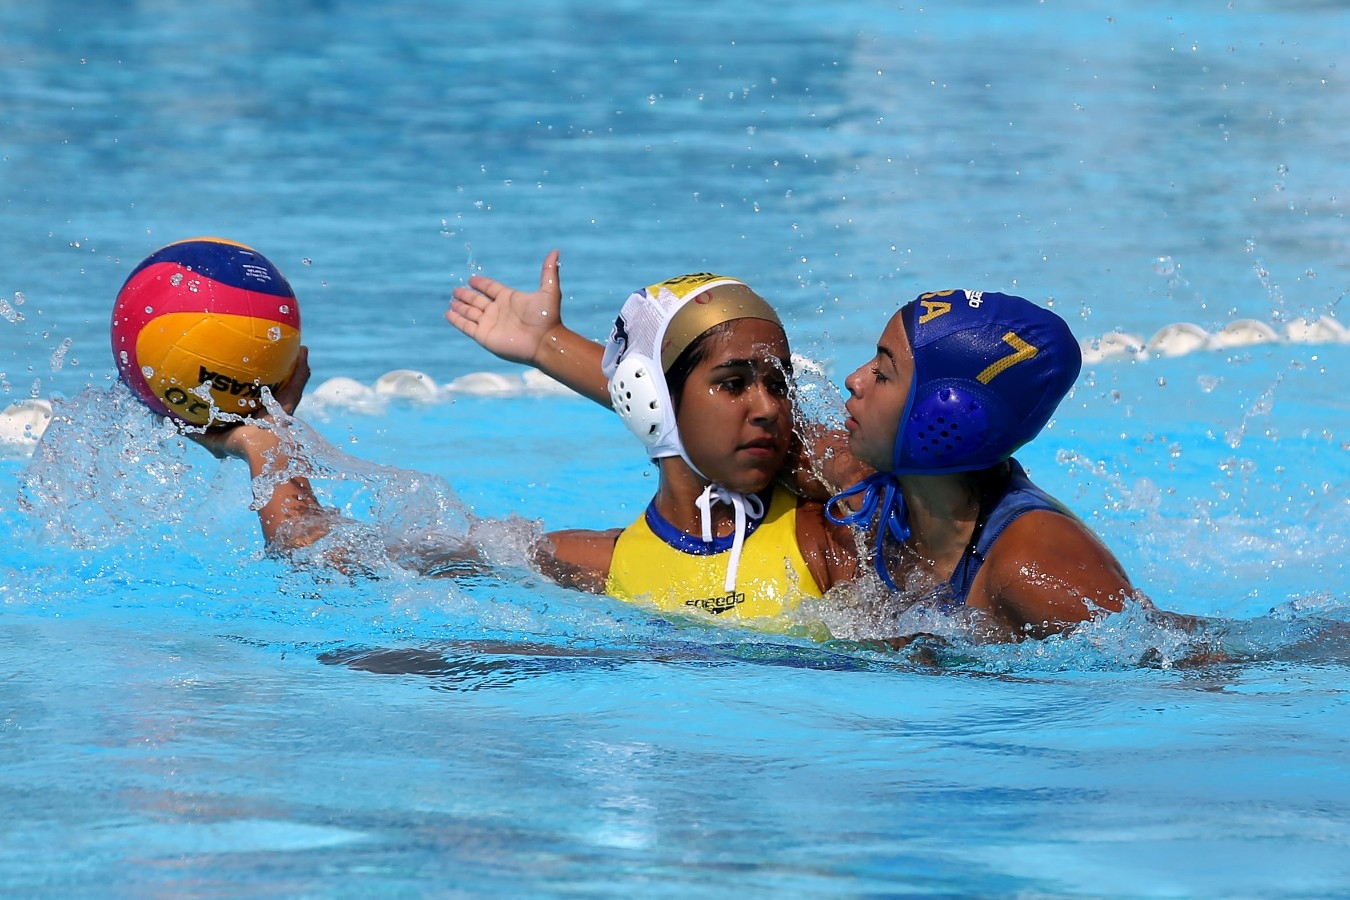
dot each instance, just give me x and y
(932, 309)
(1022, 351)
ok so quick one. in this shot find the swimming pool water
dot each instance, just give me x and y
(181, 715)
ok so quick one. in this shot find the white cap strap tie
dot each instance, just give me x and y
(747, 508)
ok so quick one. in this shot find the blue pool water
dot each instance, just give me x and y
(182, 716)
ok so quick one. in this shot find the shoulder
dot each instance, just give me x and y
(828, 547)
(1048, 570)
(579, 558)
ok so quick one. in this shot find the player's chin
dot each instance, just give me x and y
(753, 478)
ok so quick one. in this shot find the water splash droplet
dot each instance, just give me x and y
(58, 358)
(10, 314)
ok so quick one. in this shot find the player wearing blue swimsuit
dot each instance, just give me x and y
(961, 380)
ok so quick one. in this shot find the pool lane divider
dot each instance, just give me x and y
(22, 423)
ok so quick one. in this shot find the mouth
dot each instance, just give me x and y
(761, 447)
(850, 423)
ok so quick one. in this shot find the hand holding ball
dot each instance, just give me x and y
(201, 327)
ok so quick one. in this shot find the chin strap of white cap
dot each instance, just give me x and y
(747, 507)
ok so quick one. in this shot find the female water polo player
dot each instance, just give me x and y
(952, 530)
(960, 381)
(699, 369)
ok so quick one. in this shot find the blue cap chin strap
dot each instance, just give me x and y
(882, 497)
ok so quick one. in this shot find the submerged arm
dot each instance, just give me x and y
(527, 328)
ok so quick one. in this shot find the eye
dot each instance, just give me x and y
(733, 383)
(877, 376)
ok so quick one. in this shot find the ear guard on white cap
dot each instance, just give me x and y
(637, 393)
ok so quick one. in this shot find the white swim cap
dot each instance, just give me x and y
(655, 326)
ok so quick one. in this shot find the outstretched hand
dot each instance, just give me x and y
(508, 323)
(293, 388)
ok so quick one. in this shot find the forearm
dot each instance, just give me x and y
(574, 361)
(288, 510)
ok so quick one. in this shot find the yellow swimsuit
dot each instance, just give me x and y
(673, 570)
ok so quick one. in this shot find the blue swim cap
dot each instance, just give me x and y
(989, 370)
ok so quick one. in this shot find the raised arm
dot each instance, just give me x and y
(527, 328)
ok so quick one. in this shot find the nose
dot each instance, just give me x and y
(854, 381)
(765, 404)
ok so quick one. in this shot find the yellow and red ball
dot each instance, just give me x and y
(202, 326)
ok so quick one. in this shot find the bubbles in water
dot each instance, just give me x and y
(148, 371)
(175, 279)
(149, 310)
(1165, 265)
(274, 333)
(284, 309)
(306, 261)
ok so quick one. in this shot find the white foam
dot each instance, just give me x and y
(22, 425)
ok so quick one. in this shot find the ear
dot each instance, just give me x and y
(946, 427)
(636, 395)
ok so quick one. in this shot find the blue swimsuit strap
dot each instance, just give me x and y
(998, 510)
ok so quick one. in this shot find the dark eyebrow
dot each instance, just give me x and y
(785, 364)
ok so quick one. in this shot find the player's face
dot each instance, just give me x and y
(735, 415)
(878, 391)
